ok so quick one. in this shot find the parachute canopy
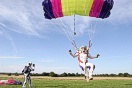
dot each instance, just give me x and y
(92, 8)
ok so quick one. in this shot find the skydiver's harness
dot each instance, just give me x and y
(79, 56)
(27, 70)
(78, 49)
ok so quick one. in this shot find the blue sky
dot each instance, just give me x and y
(26, 36)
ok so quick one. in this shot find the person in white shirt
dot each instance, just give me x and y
(83, 54)
(27, 71)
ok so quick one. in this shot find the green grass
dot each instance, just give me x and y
(54, 83)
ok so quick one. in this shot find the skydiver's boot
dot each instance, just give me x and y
(30, 86)
(91, 72)
(23, 86)
(91, 78)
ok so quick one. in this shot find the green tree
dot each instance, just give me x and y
(126, 75)
(52, 74)
(77, 74)
(64, 74)
(112, 75)
(45, 74)
(120, 74)
(9, 74)
(16, 74)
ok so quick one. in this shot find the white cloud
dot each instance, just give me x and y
(26, 17)
(121, 12)
(10, 57)
(22, 17)
(47, 60)
(6, 35)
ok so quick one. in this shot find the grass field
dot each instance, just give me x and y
(72, 82)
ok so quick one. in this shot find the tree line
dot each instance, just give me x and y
(53, 74)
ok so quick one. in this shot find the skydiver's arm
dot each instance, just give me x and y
(32, 68)
(22, 70)
(92, 57)
(73, 55)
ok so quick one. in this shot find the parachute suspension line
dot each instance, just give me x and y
(90, 44)
(93, 26)
(58, 28)
(63, 29)
(74, 44)
(93, 29)
(74, 25)
(90, 30)
(62, 25)
(64, 32)
(67, 33)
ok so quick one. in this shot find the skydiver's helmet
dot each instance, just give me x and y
(84, 49)
(30, 63)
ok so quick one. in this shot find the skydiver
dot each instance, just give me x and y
(83, 55)
(27, 71)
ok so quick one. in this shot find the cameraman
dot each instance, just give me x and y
(27, 70)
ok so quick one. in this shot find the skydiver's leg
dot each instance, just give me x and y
(92, 67)
(25, 80)
(82, 70)
(86, 73)
(29, 81)
(81, 67)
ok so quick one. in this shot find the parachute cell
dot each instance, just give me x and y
(93, 8)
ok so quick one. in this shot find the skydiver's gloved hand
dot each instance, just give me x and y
(70, 51)
(98, 55)
(33, 65)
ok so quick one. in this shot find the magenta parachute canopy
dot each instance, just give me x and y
(92, 8)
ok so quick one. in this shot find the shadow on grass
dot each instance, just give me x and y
(129, 84)
(50, 86)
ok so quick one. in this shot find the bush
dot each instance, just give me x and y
(52, 74)
(16, 74)
(9, 74)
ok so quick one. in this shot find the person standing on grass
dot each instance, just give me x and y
(27, 71)
(83, 54)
